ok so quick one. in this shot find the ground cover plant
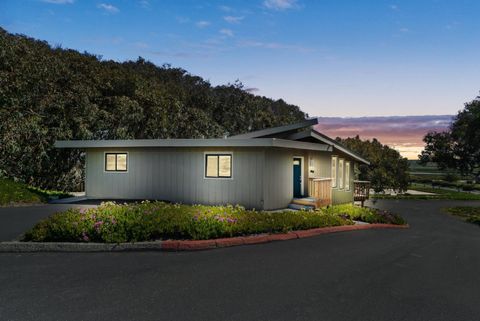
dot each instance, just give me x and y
(467, 213)
(147, 221)
(15, 193)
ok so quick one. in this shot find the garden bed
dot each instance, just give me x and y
(150, 221)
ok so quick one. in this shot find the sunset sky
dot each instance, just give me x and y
(331, 58)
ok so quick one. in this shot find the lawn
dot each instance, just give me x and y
(466, 213)
(14, 193)
(440, 194)
(148, 221)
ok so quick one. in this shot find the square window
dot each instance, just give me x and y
(115, 162)
(218, 165)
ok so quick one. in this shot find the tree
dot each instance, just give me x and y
(49, 94)
(459, 146)
(387, 169)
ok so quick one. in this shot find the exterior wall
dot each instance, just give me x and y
(322, 169)
(278, 177)
(177, 175)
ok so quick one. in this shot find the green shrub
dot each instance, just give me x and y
(365, 214)
(146, 221)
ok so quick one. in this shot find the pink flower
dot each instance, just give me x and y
(85, 236)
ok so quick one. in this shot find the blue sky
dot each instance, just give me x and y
(330, 57)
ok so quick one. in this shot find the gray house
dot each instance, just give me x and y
(266, 169)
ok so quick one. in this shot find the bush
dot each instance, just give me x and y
(146, 221)
(364, 214)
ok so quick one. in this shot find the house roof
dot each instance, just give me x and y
(288, 136)
(277, 130)
(221, 142)
(329, 141)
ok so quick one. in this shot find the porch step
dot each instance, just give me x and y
(308, 201)
(301, 207)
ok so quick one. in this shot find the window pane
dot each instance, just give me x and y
(225, 169)
(340, 173)
(110, 162)
(121, 162)
(334, 171)
(212, 166)
(347, 175)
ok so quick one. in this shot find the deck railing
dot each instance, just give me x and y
(321, 189)
(361, 191)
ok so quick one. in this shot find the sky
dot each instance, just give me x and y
(332, 58)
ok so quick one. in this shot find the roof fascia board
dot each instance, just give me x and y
(327, 140)
(179, 143)
(276, 130)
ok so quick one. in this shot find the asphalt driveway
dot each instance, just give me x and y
(427, 272)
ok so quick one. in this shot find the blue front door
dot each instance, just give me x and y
(297, 177)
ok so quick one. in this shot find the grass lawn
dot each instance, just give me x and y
(466, 213)
(441, 194)
(13, 193)
(148, 221)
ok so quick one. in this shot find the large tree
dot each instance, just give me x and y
(387, 169)
(459, 147)
(47, 94)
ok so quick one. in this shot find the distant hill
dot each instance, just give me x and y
(53, 93)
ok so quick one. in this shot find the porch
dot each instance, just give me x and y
(320, 193)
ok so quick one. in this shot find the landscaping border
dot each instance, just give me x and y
(181, 245)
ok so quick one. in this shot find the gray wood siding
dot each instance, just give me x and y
(278, 177)
(177, 175)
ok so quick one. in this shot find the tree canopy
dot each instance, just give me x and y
(459, 147)
(387, 169)
(47, 94)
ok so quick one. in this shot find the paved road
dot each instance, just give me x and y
(428, 272)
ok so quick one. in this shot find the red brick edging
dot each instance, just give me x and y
(191, 245)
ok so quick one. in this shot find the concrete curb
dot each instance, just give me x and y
(181, 245)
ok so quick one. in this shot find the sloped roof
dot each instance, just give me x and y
(329, 141)
(277, 130)
(216, 142)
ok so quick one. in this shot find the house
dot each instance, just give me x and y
(266, 169)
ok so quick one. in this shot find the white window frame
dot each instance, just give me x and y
(341, 173)
(115, 152)
(334, 171)
(217, 153)
(347, 175)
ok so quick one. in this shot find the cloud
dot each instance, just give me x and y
(404, 30)
(274, 46)
(251, 90)
(108, 8)
(145, 4)
(59, 1)
(404, 133)
(182, 19)
(225, 8)
(232, 19)
(394, 7)
(280, 4)
(226, 32)
(202, 24)
(141, 45)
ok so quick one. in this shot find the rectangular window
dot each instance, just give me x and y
(347, 176)
(340, 174)
(334, 171)
(218, 165)
(115, 162)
